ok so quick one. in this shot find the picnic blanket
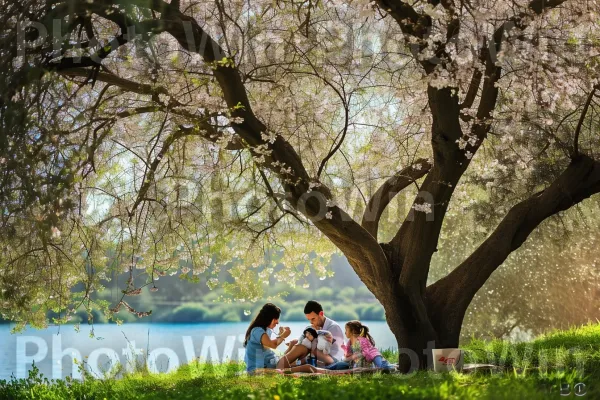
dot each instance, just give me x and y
(320, 372)
(468, 368)
(353, 371)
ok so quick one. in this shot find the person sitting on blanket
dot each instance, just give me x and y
(296, 351)
(324, 340)
(258, 341)
(360, 348)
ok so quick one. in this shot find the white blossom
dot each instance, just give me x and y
(312, 185)
(55, 232)
(268, 137)
(425, 207)
(212, 283)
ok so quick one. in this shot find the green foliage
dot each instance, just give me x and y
(347, 294)
(224, 313)
(231, 316)
(324, 293)
(342, 313)
(211, 296)
(36, 386)
(299, 294)
(389, 354)
(214, 315)
(371, 312)
(294, 314)
(191, 312)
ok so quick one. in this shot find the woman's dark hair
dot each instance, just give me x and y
(312, 306)
(265, 316)
(312, 331)
(359, 329)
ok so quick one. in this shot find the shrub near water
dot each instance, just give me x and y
(199, 312)
(188, 312)
(371, 312)
(342, 313)
(295, 314)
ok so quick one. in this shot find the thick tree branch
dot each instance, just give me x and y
(414, 25)
(411, 22)
(450, 161)
(539, 6)
(384, 195)
(580, 180)
(416, 240)
(473, 89)
(114, 80)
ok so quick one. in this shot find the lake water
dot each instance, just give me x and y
(166, 345)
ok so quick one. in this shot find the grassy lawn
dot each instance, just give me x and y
(533, 370)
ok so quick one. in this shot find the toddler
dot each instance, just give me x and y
(362, 346)
(324, 339)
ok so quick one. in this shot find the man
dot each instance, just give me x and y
(315, 315)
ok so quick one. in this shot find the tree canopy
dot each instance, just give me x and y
(193, 136)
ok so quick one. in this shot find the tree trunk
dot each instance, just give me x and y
(415, 340)
(411, 338)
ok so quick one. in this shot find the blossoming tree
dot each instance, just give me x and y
(185, 137)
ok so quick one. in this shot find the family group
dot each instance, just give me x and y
(320, 348)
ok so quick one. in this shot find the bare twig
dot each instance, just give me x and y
(575, 152)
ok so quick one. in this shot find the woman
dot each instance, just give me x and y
(258, 341)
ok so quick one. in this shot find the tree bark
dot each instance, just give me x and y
(448, 299)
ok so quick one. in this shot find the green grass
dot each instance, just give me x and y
(533, 370)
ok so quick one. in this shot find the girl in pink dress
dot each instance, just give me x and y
(361, 346)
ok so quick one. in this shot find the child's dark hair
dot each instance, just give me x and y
(312, 331)
(359, 329)
(265, 316)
